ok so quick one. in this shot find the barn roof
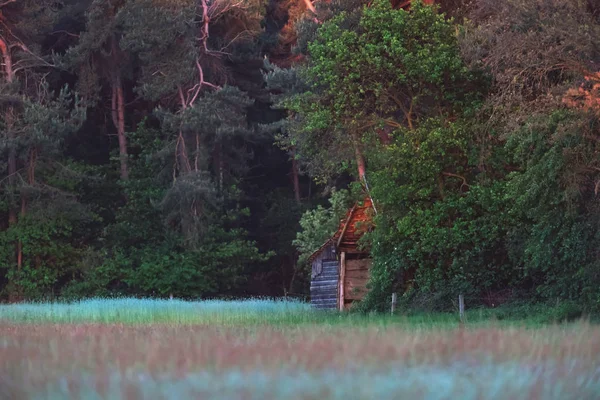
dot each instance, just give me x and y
(352, 227)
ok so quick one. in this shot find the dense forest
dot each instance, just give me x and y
(204, 148)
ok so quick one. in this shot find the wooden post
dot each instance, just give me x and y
(394, 302)
(342, 278)
(461, 308)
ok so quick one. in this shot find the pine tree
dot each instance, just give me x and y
(34, 121)
(100, 61)
(185, 49)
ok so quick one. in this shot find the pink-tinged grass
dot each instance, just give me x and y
(320, 362)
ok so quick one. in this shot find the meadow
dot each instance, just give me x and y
(265, 349)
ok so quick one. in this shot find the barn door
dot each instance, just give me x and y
(354, 275)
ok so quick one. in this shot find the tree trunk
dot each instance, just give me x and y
(118, 107)
(7, 59)
(12, 164)
(309, 6)
(219, 166)
(118, 116)
(221, 169)
(294, 261)
(295, 177)
(123, 156)
(197, 154)
(8, 116)
(19, 243)
(360, 160)
(31, 163)
(12, 153)
(181, 155)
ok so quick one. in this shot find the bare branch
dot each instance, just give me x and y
(202, 81)
(196, 88)
(464, 180)
(16, 174)
(232, 41)
(35, 56)
(7, 2)
(65, 32)
(24, 67)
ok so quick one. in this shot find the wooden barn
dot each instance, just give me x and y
(340, 270)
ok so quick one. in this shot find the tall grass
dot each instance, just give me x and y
(504, 381)
(123, 361)
(130, 310)
(221, 312)
(274, 349)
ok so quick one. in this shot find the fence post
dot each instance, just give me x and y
(461, 308)
(394, 302)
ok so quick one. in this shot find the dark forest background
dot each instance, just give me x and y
(204, 148)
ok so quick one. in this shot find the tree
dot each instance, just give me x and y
(389, 86)
(543, 60)
(534, 50)
(515, 210)
(147, 253)
(98, 55)
(183, 192)
(34, 125)
(369, 72)
(183, 67)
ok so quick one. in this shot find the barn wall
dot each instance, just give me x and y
(334, 283)
(324, 279)
(326, 253)
(355, 279)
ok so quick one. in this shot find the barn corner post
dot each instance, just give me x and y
(341, 285)
(461, 308)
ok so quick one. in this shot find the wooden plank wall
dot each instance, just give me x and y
(325, 279)
(326, 253)
(356, 277)
(341, 288)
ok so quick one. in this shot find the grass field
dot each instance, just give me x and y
(259, 349)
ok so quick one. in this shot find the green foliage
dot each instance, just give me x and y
(533, 229)
(51, 238)
(514, 212)
(371, 69)
(147, 254)
(374, 64)
(557, 244)
(480, 143)
(215, 267)
(96, 54)
(435, 225)
(170, 37)
(51, 220)
(319, 225)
